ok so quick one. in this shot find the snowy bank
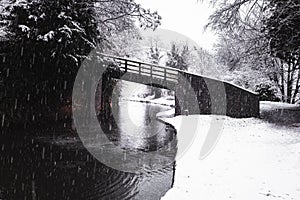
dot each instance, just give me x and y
(166, 114)
(280, 113)
(253, 159)
(269, 105)
(165, 101)
(142, 93)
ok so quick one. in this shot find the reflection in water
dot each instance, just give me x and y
(139, 129)
(61, 168)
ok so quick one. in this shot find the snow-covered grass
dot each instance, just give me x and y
(269, 105)
(253, 159)
(280, 113)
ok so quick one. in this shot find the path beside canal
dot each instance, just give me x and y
(254, 158)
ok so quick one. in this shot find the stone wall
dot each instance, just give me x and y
(202, 95)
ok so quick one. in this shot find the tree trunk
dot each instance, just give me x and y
(297, 87)
(283, 97)
(289, 83)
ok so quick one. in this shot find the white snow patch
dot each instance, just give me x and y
(166, 100)
(33, 17)
(252, 160)
(48, 36)
(166, 114)
(24, 28)
(138, 92)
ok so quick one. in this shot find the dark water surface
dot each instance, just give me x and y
(43, 167)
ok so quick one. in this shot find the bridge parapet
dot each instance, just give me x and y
(218, 97)
(167, 74)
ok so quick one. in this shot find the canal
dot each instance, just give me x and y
(45, 167)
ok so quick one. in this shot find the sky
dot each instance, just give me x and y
(186, 17)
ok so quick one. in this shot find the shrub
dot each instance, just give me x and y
(266, 92)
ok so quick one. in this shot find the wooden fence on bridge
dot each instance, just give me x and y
(164, 73)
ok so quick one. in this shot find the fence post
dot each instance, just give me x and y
(140, 70)
(125, 66)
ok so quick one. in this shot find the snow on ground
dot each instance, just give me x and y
(280, 113)
(268, 105)
(165, 100)
(137, 92)
(168, 113)
(254, 159)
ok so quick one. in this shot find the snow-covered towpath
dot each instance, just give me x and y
(254, 159)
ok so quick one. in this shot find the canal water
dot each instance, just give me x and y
(42, 167)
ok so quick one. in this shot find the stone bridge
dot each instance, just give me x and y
(194, 94)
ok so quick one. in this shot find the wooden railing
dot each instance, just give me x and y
(145, 69)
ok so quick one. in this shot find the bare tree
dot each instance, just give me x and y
(244, 41)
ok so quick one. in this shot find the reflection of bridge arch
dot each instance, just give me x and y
(212, 96)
